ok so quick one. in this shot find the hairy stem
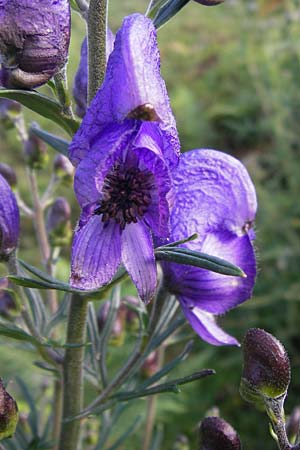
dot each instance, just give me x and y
(274, 408)
(73, 373)
(57, 411)
(97, 23)
(61, 85)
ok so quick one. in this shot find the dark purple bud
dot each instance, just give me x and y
(9, 174)
(210, 2)
(80, 87)
(9, 220)
(63, 169)
(217, 434)
(8, 414)
(266, 372)
(35, 151)
(7, 302)
(151, 364)
(34, 41)
(58, 223)
(293, 424)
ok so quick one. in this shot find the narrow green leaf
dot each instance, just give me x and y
(198, 259)
(176, 243)
(43, 105)
(165, 11)
(48, 282)
(56, 142)
(171, 386)
(168, 367)
(14, 332)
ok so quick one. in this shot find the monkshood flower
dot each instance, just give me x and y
(9, 220)
(123, 150)
(215, 198)
(80, 87)
(34, 41)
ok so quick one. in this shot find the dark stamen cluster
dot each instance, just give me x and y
(126, 195)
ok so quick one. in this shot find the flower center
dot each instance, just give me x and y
(126, 195)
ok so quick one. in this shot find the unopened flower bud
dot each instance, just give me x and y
(209, 2)
(63, 169)
(34, 41)
(217, 434)
(8, 414)
(9, 220)
(35, 151)
(293, 424)
(9, 110)
(58, 223)
(9, 174)
(266, 372)
(151, 364)
(7, 302)
(81, 78)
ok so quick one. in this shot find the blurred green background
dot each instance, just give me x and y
(232, 74)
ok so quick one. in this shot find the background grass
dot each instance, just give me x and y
(232, 74)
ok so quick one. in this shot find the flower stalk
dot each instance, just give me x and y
(97, 23)
(73, 373)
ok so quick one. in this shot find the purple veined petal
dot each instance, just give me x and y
(80, 87)
(9, 220)
(213, 191)
(138, 258)
(90, 173)
(205, 326)
(133, 88)
(213, 292)
(157, 215)
(96, 254)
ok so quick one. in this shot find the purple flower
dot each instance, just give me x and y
(9, 220)
(34, 41)
(123, 151)
(132, 89)
(215, 198)
(80, 87)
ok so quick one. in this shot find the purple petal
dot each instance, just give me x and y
(157, 215)
(80, 87)
(133, 88)
(213, 192)
(9, 219)
(96, 254)
(92, 170)
(213, 292)
(205, 326)
(138, 259)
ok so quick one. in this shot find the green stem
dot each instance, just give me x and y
(57, 411)
(61, 85)
(73, 373)
(97, 23)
